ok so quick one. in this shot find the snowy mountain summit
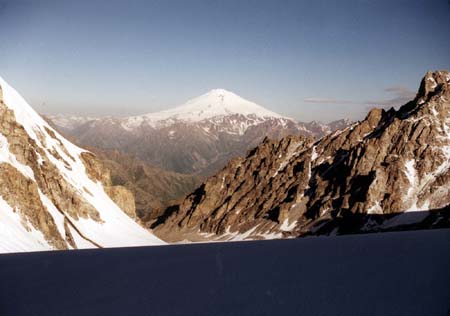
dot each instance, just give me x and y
(215, 103)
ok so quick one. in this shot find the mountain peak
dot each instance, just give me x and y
(433, 83)
(219, 91)
(216, 102)
(223, 102)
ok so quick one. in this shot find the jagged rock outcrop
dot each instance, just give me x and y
(390, 163)
(97, 169)
(123, 198)
(52, 193)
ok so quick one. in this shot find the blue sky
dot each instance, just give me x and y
(319, 60)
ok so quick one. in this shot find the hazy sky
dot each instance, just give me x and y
(306, 59)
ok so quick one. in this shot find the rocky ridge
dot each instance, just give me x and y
(385, 172)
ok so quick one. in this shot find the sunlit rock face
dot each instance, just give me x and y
(353, 180)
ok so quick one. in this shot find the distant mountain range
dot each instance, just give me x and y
(198, 137)
(390, 171)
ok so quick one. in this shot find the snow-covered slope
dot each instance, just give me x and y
(51, 192)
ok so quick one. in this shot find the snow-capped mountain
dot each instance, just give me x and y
(53, 194)
(199, 136)
(215, 104)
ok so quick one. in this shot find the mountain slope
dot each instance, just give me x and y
(153, 188)
(354, 180)
(53, 195)
(199, 136)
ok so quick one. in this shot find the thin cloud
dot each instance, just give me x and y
(326, 101)
(398, 89)
(400, 96)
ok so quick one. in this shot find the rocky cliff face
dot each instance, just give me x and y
(353, 180)
(52, 193)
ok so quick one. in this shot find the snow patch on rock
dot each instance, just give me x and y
(16, 235)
